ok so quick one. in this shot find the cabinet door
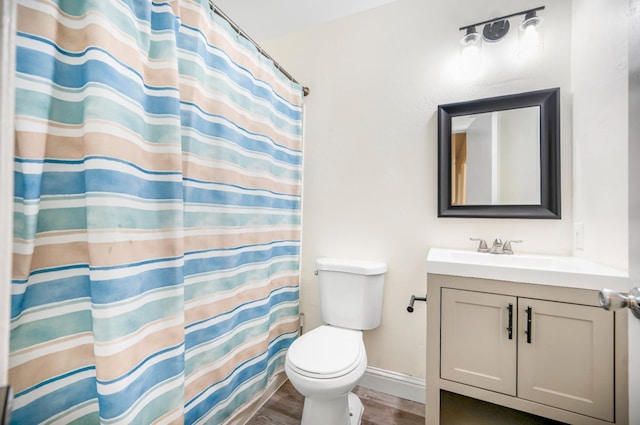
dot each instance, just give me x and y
(569, 360)
(476, 345)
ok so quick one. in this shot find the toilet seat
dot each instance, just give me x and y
(326, 352)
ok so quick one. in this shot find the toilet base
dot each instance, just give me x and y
(356, 409)
(345, 410)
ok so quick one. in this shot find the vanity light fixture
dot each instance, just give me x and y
(530, 34)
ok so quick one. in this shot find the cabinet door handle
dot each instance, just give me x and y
(510, 327)
(528, 331)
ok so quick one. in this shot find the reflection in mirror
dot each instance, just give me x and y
(487, 152)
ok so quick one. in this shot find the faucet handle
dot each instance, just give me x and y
(507, 249)
(482, 246)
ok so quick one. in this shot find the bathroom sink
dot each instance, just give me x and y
(526, 268)
(520, 261)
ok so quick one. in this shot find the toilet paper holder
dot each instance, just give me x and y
(414, 299)
(613, 300)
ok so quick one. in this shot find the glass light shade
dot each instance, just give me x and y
(530, 36)
(470, 50)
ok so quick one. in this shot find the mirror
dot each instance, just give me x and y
(500, 157)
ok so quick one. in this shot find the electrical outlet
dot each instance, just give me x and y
(578, 236)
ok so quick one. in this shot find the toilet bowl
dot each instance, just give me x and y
(324, 365)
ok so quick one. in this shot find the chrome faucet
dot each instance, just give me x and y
(497, 247)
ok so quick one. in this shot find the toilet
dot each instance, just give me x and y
(325, 364)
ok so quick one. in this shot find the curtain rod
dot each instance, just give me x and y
(240, 31)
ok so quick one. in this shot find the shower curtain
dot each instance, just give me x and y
(157, 215)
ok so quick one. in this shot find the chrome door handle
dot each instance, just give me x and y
(613, 300)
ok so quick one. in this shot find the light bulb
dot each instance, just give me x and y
(471, 50)
(530, 36)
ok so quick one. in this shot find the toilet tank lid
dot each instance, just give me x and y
(351, 266)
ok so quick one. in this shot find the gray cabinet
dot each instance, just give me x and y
(547, 351)
(476, 347)
(569, 361)
(553, 353)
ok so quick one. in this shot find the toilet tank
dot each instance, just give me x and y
(351, 292)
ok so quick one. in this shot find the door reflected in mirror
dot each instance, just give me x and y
(495, 158)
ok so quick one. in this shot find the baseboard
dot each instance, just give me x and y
(394, 383)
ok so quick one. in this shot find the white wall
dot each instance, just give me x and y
(370, 191)
(600, 128)
(520, 180)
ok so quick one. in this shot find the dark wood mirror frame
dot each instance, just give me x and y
(549, 207)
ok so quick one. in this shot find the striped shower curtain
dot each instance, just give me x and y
(157, 215)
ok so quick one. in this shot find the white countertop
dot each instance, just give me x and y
(572, 272)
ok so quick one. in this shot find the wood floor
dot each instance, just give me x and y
(285, 408)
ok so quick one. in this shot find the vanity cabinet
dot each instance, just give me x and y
(547, 350)
(555, 353)
(568, 361)
(477, 344)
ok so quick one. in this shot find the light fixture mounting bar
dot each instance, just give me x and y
(501, 18)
